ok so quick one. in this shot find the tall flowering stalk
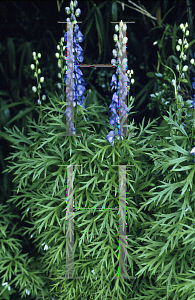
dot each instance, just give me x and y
(73, 77)
(192, 61)
(118, 107)
(39, 81)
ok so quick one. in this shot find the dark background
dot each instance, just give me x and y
(28, 26)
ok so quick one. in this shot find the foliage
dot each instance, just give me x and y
(160, 190)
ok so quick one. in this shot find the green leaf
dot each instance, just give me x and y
(184, 80)
(89, 14)
(189, 181)
(20, 115)
(191, 43)
(11, 56)
(114, 12)
(4, 93)
(144, 92)
(160, 44)
(89, 26)
(174, 37)
(100, 25)
(10, 105)
(150, 74)
(167, 14)
(21, 67)
(159, 75)
(188, 81)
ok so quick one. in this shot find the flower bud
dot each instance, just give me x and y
(124, 49)
(75, 3)
(179, 41)
(121, 24)
(185, 68)
(57, 55)
(39, 55)
(192, 61)
(39, 71)
(116, 28)
(67, 10)
(187, 32)
(77, 12)
(32, 67)
(114, 52)
(117, 44)
(124, 61)
(178, 47)
(177, 67)
(173, 81)
(113, 61)
(71, 6)
(27, 292)
(115, 37)
(42, 79)
(34, 89)
(125, 39)
(43, 97)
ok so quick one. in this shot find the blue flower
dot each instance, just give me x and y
(110, 137)
(114, 106)
(193, 101)
(79, 82)
(193, 86)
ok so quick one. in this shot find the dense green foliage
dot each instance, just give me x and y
(160, 190)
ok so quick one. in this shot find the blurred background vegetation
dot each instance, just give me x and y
(28, 26)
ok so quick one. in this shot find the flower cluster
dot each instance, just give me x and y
(119, 87)
(93, 272)
(182, 47)
(9, 288)
(74, 77)
(60, 56)
(36, 75)
(192, 61)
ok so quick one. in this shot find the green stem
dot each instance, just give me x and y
(118, 152)
(193, 127)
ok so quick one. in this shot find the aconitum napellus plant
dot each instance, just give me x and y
(78, 82)
(159, 195)
(114, 106)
